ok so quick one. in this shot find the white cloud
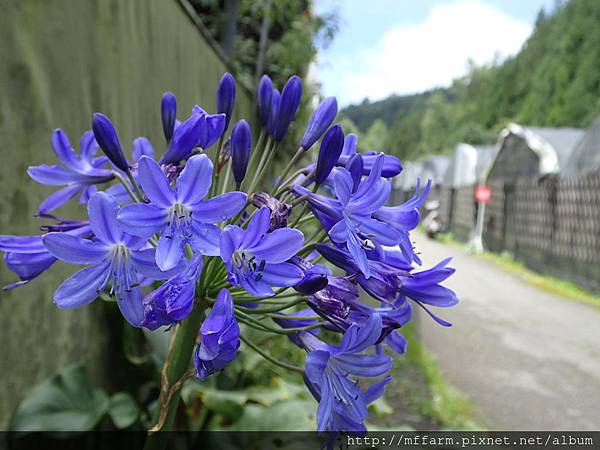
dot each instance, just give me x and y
(414, 58)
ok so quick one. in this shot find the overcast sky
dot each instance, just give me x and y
(405, 46)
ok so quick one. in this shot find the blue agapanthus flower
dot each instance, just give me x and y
(256, 259)
(181, 215)
(79, 174)
(219, 337)
(113, 256)
(349, 216)
(200, 130)
(332, 372)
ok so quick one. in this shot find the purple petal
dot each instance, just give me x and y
(27, 266)
(231, 239)
(278, 246)
(64, 152)
(59, 198)
(102, 211)
(316, 362)
(342, 184)
(88, 146)
(218, 208)
(131, 304)
(355, 248)
(194, 182)
(185, 138)
(397, 342)
(55, 175)
(169, 251)
(144, 261)
(155, 183)
(141, 147)
(364, 365)
(282, 274)
(259, 288)
(358, 338)
(206, 239)
(82, 287)
(374, 176)
(376, 390)
(214, 126)
(142, 219)
(258, 226)
(380, 232)
(73, 249)
(22, 244)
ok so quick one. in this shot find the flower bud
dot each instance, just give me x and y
(265, 91)
(168, 112)
(288, 107)
(107, 139)
(319, 122)
(274, 112)
(241, 142)
(226, 97)
(331, 148)
(355, 166)
(184, 139)
(311, 283)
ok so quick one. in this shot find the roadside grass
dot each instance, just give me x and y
(553, 285)
(420, 396)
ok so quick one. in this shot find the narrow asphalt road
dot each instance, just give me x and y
(526, 359)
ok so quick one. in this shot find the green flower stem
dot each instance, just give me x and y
(175, 367)
(292, 317)
(271, 358)
(282, 187)
(135, 185)
(304, 208)
(216, 173)
(227, 176)
(249, 319)
(125, 184)
(277, 308)
(289, 166)
(261, 163)
(254, 152)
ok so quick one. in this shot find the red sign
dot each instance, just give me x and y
(483, 194)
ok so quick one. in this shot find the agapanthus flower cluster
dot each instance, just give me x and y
(196, 237)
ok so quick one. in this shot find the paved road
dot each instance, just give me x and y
(526, 359)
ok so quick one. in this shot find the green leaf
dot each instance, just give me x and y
(65, 402)
(277, 390)
(123, 410)
(381, 407)
(228, 403)
(296, 415)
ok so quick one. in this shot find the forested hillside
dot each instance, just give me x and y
(553, 81)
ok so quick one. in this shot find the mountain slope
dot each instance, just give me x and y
(553, 81)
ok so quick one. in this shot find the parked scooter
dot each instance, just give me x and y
(433, 222)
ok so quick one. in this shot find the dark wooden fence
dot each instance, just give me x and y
(552, 224)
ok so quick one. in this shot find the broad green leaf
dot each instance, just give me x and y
(277, 390)
(381, 407)
(123, 410)
(289, 415)
(65, 402)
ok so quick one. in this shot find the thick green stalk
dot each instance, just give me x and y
(176, 366)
